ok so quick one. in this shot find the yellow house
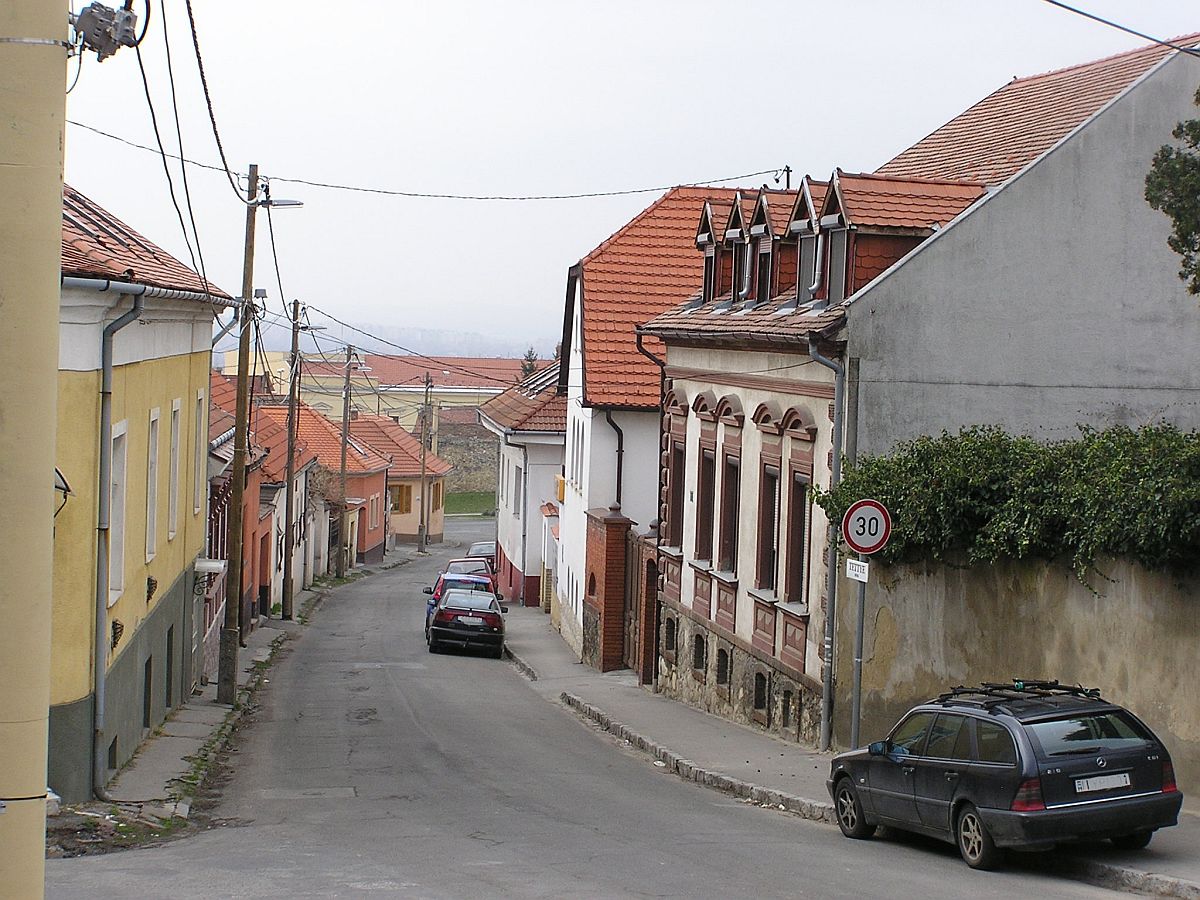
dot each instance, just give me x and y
(135, 352)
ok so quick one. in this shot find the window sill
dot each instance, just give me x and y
(764, 596)
(701, 565)
(727, 578)
(795, 609)
(673, 552)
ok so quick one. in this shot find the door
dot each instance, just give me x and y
(891, 775)
(941, 768)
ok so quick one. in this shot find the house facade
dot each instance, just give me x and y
(530, 422)
(133, 402)
(612, 394)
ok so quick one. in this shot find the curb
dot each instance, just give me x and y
(1124, 879)
(523, 667)
(814, 810)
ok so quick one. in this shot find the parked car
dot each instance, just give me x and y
(485, 549)
(448, 581)
(1027, 764)
(471, 565)
(468, 618)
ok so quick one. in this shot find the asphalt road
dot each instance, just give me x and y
(376, 768)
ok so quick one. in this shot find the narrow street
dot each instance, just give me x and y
(374, 767)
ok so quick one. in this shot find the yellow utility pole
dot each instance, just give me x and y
(343, 527)
(33, 37)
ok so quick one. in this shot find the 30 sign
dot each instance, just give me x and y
(866, 527)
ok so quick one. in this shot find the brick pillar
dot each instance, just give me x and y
(604, 589)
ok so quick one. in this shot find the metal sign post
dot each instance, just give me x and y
(866, 528)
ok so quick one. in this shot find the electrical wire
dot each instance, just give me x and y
(274, 254)
(79, 66)
(1111, 24)
(212, 117)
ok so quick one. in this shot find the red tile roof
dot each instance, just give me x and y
(533, 405)
(1010, 128)
(458, 415)
(485, 373)
(268, 425)
(96, 244)
(773, 323)
(390, 439)
(877, 200)
(324, 438)
(779, 209)
(647, 267)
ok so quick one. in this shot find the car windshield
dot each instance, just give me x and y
(469, 600)
(1113, 730)
(485, 549)
(468, 566)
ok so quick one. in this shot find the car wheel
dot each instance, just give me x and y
(849, 811)
(1135, 841)
(498, 653)
(974, 843)
(433, 646)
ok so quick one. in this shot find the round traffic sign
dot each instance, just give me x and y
(866, 526)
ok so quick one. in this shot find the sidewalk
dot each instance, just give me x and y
(767, 770)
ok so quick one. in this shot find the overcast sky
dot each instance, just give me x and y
(523, 98)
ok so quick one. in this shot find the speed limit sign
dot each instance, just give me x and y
(866, 526)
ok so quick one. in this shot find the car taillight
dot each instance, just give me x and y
(491, 620)
(444, 616)
(1168, 778)
(1029, 796)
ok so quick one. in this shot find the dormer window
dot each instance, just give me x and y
(739, 269)
(762, 287)
(836, 277)
(710, 271)
(806, 267)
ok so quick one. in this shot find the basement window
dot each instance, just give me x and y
(722, 667)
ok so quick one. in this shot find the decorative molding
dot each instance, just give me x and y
(819, 389)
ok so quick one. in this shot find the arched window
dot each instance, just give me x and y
(698, 652)
(722, 667)
(669, 635)
(760, 691)
(592, 584)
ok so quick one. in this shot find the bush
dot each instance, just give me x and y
(985, 495)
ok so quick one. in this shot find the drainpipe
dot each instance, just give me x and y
(620, 452)
(818, 265)
(524, 511)
(744, 290)
(839, 391)
(99, 761)
(657, 524)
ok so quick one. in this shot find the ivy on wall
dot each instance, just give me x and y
(985, 495)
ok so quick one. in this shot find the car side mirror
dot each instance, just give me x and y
(877, 748)
(504, 609)
(428, 590)
(499, 596)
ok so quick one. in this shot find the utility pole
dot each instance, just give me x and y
(423, 527)
(231, 630)
(32, 110)
(343, 543)
(289, 538)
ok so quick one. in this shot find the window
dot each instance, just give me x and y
(760, 691)
(152, 487)
(517, 497)
(706, 487)
(731, 476)
(949, 738)
(438, 495)
(762, 288)
(722, 667)
(669, 635)
(739, 268)
(402, 498)
(200, 475)
(374, 513)
(787, 709)
(806, 269)
(173, 487)
(116, 515)
(797, 539)
(1105, 731)
(837, 265)
(710, 265)
(698, 653)
(675, 496)
(909, 736)
(995, 743)
(768, 528)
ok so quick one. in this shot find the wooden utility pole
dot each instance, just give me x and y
(289, 534)
(231, 631)
(343, 528)
(32, 110)
(423, 527)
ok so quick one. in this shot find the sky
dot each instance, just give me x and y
(525, 97)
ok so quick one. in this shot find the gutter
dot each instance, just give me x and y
(103, 542)
(657, 523)
(128, 289)
(839, 393)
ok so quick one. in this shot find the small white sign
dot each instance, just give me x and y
(858, 569)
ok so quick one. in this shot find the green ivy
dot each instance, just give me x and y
(984, 495)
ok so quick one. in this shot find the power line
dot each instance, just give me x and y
(427, 195)
(1111, 24)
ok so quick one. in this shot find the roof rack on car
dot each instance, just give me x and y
(990, 693)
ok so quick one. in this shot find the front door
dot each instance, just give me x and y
(940, 769)
(892, 774)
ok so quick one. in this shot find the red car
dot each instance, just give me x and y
(472, 565)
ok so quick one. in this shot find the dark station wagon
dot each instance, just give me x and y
(1027, 764)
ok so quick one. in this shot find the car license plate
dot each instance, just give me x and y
(475, 620)
(1101, 783)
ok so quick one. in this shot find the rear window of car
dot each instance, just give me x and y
(482, 549)
(457, 584)
(468, 567)
(1088, 733)
(469, 600)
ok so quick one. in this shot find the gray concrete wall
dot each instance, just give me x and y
(70, 757)
(1055, 302)
(928, 629)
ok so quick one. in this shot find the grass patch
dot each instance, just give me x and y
(477, 503)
